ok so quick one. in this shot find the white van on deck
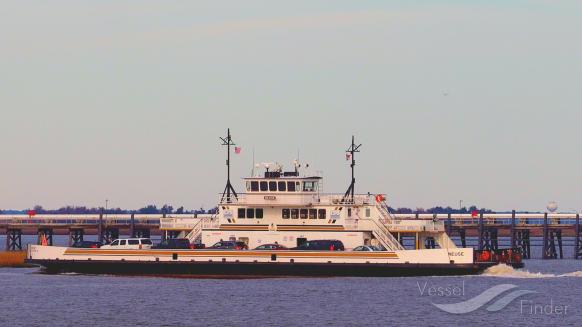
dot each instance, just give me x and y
(129, 244)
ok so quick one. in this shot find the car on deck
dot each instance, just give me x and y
(321, 245)
(174, 243)
(229, 245)
(129, 244)
(271, 247)
(87, 245)
(369, 248)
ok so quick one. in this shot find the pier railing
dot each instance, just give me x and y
(155, 220)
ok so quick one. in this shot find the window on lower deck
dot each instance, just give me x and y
(250, 213)
(303, 213)
(259, 213)
(282, 186)
(321, 213)
(254, 186)
(285, 213)
(241, 213)
(294, 213)
(312, 213)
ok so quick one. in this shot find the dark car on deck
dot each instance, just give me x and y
(229, 245)
(271, 247)
(321, 245)
(87, 244)
(174, 243)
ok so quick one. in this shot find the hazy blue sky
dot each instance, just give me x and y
(125, 100)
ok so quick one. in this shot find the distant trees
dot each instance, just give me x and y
(441, 210)
(152, 209)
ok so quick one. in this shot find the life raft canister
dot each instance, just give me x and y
(379, 198)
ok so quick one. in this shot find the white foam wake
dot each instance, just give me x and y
(502, 270)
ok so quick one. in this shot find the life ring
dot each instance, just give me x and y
(485, 256)
(379, 198)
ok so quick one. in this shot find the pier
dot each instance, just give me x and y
(487, 228)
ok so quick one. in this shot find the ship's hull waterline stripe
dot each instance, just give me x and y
(186, 253)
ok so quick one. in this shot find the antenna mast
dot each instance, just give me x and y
(349, 196)
(228, 189)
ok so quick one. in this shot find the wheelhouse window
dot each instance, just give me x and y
(312, 213)
(291, 186)
(248, 186)
(294, 213)
(259, 213)
(298, 186)
(321, 213)
(254, 186)
(264, 186)
(282, 186)
(285, 213)
(241, 213)
(115, 243)
(146, 242)
(308, 186)
(303, 213)
(273, 186)
(122, 242)
(250, 213)
(133, 242)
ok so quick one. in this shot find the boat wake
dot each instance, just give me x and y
(506, 271)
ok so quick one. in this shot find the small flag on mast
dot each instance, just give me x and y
(237, 150)
(474, 213)
(348, 156)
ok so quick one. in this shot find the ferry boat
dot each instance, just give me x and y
(287, 208)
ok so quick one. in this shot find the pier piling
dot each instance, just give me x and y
(76, 235)
(14, 239)
(45, 235)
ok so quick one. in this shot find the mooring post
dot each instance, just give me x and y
(481, 232)
(132, 226)
(100, 227)
(463, 238)
(559, 236)
(513, 244)
(545, 247)
(578, 249)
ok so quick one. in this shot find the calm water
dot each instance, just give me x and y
(32, 299)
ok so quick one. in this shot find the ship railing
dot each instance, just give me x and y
(195, 235)
(431, 227)
(297, 198)
(179, 223)
(383, 233)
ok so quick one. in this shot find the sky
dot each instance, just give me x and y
(477, 101)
